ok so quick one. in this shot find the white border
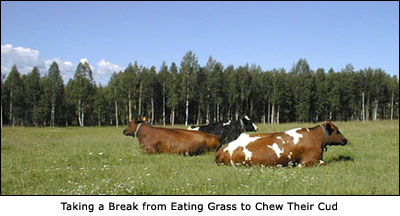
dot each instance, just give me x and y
(346, 205)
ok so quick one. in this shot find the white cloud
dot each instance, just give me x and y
(26, 59)
(105, 70)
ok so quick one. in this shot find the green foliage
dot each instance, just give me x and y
(14, 96)
(174, 84)
(32, 96)
(83, 91)
(55, 94)
(193, 94)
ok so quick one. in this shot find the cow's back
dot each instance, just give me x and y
(267, 149)
(180, 141)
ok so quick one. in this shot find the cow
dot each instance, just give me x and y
(154, 140)
(302, 146)
(227, 131)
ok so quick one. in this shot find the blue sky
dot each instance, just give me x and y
(110, 35)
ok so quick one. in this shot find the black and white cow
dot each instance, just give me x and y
(227, 131)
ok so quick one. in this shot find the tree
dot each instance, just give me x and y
(83, 89)
(243, 81)
(189, 68)
(393, 87)
(150, 83)
(162, 79)
(232, 95)
(320, 95)
(216, 87)
(14, 88)
(115, 92)
(70, 103)
(100, 104)
(3, 97)
(205, 86)
(254, 89)
(303, 90)
(32, 97)
(55, 89)
(173, 91)
(130, 82)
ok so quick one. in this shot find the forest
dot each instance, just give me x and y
(193, 94)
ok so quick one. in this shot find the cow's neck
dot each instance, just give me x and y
(138, 129)
(322, 138)
(325, 136)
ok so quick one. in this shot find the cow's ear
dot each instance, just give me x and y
(329, 128)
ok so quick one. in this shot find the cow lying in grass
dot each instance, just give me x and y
(302, 146)
(175, 141)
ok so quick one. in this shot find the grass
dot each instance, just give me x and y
(100, 160)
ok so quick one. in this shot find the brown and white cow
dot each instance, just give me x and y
(175, 141)
(302, 146)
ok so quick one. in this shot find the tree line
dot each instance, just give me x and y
(192, 94)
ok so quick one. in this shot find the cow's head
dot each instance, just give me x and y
(247, 124)
(334, 135)
(133, 126)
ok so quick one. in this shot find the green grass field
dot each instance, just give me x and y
(100, 160)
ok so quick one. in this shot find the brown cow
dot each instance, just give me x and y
(175, 141)
(304, 146)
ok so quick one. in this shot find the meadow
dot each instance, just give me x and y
(102, 161)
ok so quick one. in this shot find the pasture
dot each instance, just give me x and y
(101, 160)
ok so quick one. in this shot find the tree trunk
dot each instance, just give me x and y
(163, 113)
(272, 114)
(237, 111)
(198, 119)
(34, 116)
(367, 110)
(152, 108)
(187, 109)
(251, 107)
(173, 116)
(269, 113)
(116, 113)
(116, 107)
(391, 107)
(376, 110)
(218, 119)
(52, 114)
(277, 115)
(11, 108)
(130, 105)
(98, 117)
(140, 100)
(79, 112)
(208, 111)
(83, 118)
(363, 106)
(263, 117)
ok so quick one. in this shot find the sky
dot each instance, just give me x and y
(110, 35)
